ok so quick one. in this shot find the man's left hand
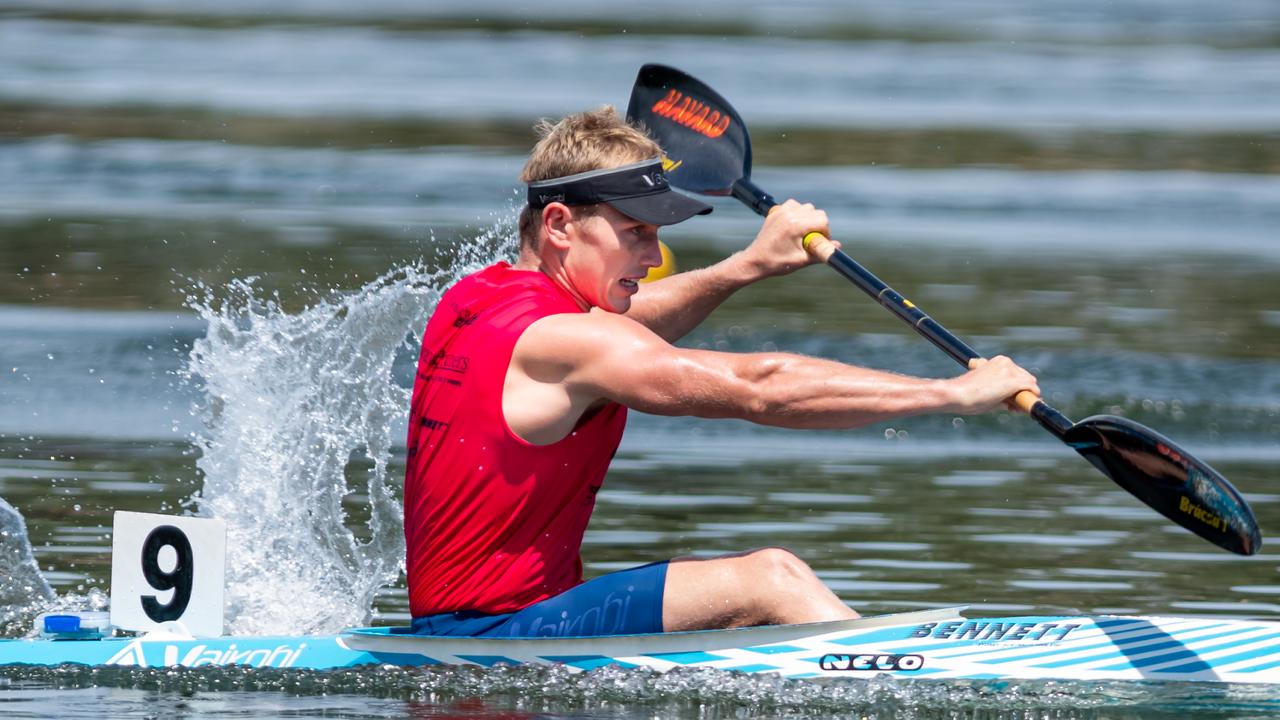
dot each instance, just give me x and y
(778, 249)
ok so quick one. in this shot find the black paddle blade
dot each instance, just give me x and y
(1169, 479)
(705, 141)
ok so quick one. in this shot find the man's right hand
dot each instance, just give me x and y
(989, 385)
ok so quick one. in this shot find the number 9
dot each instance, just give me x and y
(178, 580)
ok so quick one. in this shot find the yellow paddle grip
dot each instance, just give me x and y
(815, 242)
(819, 245)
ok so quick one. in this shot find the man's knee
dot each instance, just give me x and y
(778, 565)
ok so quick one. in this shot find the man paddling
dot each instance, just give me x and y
(523, 385)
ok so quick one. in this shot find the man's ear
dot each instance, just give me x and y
(556, 218)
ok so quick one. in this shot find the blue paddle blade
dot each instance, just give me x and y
(704, 141)
(1169, 479)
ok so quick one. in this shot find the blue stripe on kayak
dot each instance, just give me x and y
(1186, 652)
(759, 667)
(1238, 657)
(1111, 655)
(938, 645)
(405, 659)
(488, 660)
(1197, 666)
(1260, 668)
(1109, 642)
(910, 649)
(887, 635)
(1110, 645)
(990, 647)
(774, 649)
(1055, 652)
(1127, 650)
(1156, 660)
(688, 658)
(586, 662)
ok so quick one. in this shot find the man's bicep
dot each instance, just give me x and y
(629, 364)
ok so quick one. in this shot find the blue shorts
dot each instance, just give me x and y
(627, 602)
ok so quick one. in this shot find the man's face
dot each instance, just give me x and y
(609, 253)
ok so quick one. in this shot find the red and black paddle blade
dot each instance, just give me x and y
(705, 141)
(1169, 479)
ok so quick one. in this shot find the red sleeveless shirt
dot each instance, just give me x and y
(493, 524)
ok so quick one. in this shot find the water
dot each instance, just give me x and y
(222, 227)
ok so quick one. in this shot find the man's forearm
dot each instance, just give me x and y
(674, 306)
(811, 393)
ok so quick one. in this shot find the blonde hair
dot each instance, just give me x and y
(581, 142)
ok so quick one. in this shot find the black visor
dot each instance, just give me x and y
(639, 191)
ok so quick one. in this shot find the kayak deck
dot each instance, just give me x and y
(931, 644)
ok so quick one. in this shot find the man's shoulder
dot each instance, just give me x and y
(494, 275)
(576, 337)
(498, 290)
(504, 283)
(594, 320)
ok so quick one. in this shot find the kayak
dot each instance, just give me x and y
(929, 644)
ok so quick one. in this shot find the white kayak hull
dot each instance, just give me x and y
(932, 644)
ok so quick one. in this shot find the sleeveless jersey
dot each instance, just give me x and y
(492, 523)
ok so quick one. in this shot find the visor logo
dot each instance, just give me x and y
(654, 179)
(697, 116)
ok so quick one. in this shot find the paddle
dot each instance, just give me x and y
(708, 151)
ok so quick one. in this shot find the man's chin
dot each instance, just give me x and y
(619, 306)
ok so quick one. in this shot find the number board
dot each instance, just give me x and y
(166, 568)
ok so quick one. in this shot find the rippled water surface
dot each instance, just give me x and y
(221, 227)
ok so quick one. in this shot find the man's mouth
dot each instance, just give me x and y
(630, 283)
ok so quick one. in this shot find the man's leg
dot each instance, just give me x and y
(769, 586)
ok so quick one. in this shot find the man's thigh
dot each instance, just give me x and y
(626, 602)
(707, 593)
(757, 587)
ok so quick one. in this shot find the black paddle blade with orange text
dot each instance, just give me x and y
(690, 120)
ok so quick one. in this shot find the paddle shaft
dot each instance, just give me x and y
(762, 202)
(710, 153)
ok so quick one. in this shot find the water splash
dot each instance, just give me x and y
(291, 400)
(24, 591)
(22, 588)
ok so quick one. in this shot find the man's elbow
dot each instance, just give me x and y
(766, 395)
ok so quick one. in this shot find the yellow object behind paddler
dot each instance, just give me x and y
(668, 266)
